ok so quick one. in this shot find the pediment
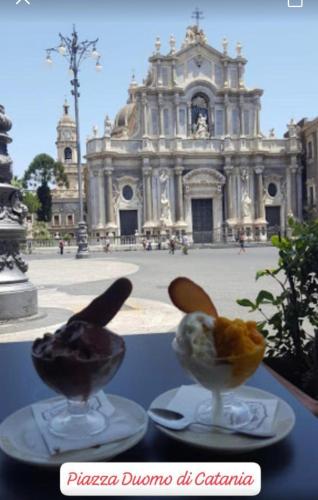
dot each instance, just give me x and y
(204, 50)
(199, 62)
(204, 176)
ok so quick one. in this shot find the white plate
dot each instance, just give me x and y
(21, 439)
(231, 443)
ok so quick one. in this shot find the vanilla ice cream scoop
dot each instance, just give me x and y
(194, 346)
(194, 336)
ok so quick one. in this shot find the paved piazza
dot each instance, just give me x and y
(65, 285)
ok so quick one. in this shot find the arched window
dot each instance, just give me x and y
(199, 106)
(67, 154)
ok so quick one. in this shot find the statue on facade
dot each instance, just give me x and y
(293, 128)
(107, 126)
(246, 205)
(246, 201)
(165, 212)
(201, 131)
(95, 131)
(272, 133)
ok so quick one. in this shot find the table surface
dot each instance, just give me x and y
(289, 468)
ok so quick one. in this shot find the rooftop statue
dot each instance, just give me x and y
(194, 35)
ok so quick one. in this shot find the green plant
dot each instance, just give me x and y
(295, 308)
(40, 231)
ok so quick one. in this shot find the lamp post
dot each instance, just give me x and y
(75, 52)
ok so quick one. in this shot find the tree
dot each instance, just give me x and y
(29, 198)
(42, 173)
(41, 232)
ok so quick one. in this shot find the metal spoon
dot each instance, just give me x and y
(177, 421)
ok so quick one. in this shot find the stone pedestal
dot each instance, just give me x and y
(18, 297)
(82, 241)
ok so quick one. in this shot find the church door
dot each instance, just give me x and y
(273, 219)
(128, 222)
(202, 220)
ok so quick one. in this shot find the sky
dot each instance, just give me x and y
(280, 44)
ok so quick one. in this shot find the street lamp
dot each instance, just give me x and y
(75, 52)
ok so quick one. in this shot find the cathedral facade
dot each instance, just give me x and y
(186, 153)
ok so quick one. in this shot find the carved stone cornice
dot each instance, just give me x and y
(178, 170)
(228, 169)
(146, 170)
(258, 169)
(108, 171)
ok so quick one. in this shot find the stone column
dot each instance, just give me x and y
(226, 117)
(160, 108)
(226, 74)
(242, 131)
(299, 193)
(241, 75)
(147, 173)
(101, 199)
(293, 188)
(229, 192)
(110, 215)
(144, 103)
(288, 193)
(93, 191)
(173, 73)
(159, 76)
(179, 193)
(189, 118)
(176, 108)
(257, 118)
(236, 192)
(260, 207)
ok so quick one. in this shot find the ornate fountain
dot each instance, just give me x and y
(18, 297)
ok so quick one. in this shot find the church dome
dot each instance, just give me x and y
(125, 121)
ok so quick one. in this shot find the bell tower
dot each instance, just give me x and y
(67, 152)
(66, 138)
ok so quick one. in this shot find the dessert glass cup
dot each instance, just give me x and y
(220, 376)
(78, 380)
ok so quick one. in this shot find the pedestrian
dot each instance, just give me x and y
(144, 243)
(107, 244)
(172, 244)
(61, 246)
(242, 242)
(29, 244)
(185, 244)
(149, 246)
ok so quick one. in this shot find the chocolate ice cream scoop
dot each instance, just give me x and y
(79, 359)
(82, 356)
